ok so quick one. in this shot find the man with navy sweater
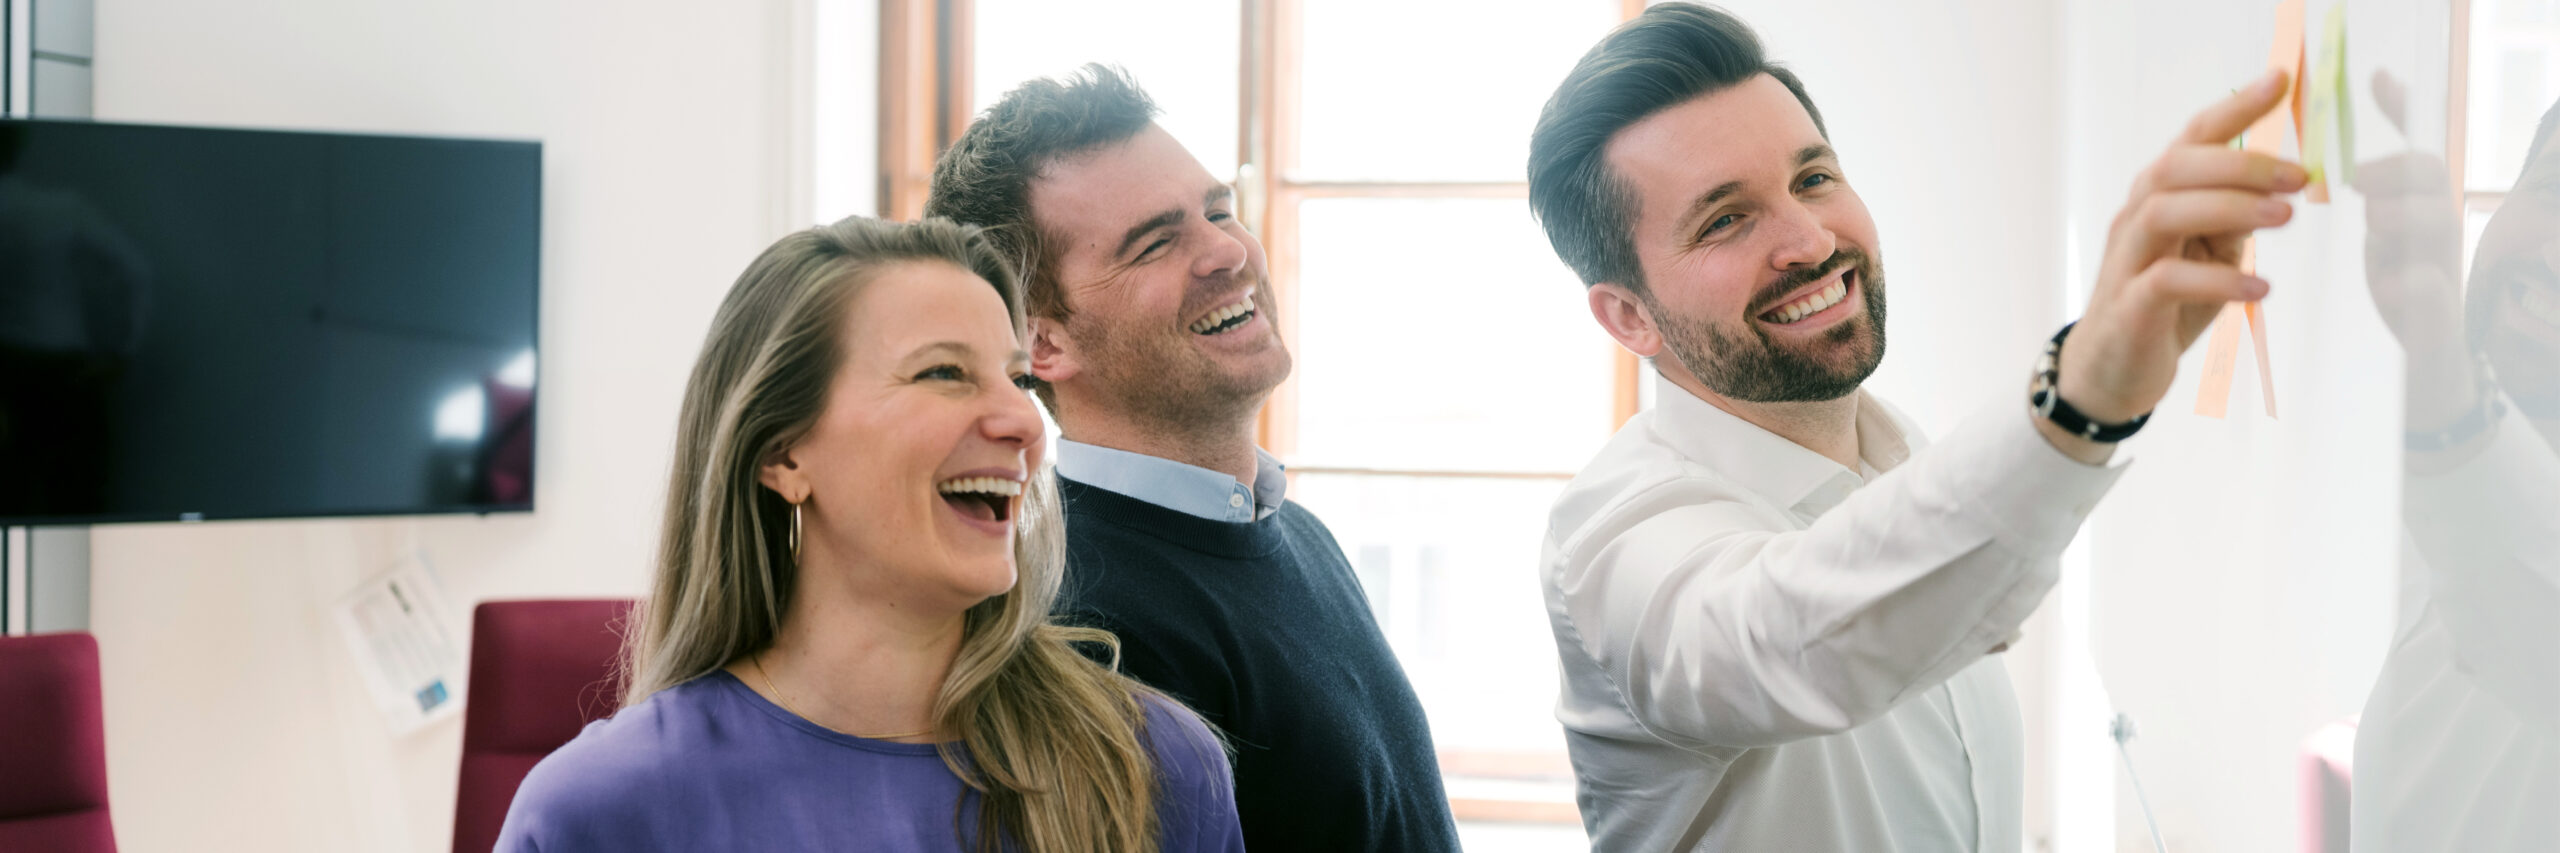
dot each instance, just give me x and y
(1154, 345)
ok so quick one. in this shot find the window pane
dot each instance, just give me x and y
(1443, 334)
(1451, 568)
(2515, 76)
(1433, 90)
(2519, 13)
(1184, 52)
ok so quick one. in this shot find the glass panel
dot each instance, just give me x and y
(1433, 90)
(1184, 52)
(2381, 557)
(1442, 334)
(1451, 568)
(2478, 512)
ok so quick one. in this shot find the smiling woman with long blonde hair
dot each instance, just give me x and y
(847, 643)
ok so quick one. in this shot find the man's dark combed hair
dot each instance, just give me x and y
(1663, 58)
(985, 178)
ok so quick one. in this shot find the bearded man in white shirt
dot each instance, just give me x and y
(1776, 612)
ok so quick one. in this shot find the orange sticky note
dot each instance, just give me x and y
(2284, 54)
(2266, 369)
(2265, 136)
(2213, 391)
(2222, 351)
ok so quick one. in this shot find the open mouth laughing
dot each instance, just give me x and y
(1820, 305)
(987, 502)
(1226, 319)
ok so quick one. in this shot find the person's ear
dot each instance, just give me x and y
(1054, 356)
(785, 477)
(1626, 317)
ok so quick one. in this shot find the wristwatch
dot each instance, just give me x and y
(2045, 397)
(2483, 417)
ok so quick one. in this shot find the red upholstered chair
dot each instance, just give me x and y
(53, 746)
(540, 671)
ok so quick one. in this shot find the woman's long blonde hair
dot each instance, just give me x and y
(1053, 743)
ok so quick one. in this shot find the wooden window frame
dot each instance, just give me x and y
(923, 49)
(925, 93)
(2457, 123)
(1271, 105)
(925, 102)
(2457, 116)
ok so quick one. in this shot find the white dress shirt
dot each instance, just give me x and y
(1179, 486)
(1763, 651)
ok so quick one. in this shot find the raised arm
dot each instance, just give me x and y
(1768, 635)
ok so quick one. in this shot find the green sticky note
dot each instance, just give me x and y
(2333, 65)
(2328, 131)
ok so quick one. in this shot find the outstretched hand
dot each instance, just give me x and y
(2173, 257)
(2412, 266)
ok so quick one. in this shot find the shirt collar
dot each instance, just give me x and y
(1786, 473)
(1181, 487)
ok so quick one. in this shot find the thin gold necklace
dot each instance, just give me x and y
(758, 661)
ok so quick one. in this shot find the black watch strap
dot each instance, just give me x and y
(2046, 399)
(2483, 417)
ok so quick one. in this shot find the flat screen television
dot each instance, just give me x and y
(203, 323)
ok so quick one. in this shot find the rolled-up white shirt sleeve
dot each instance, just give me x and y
(1725, 623)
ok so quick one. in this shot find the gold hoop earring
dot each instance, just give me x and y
(795, 534)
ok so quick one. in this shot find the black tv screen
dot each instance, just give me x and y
(202, 323)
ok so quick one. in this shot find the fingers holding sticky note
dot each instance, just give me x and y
(2314, 108)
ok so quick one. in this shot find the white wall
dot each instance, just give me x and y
(235, 719)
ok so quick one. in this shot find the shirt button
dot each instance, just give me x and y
(1235, 501)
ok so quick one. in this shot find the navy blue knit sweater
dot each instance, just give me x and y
(1262, 628)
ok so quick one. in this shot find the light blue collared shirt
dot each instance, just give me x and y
(1184, 488)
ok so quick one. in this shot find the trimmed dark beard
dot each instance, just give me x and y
(1747, 365)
